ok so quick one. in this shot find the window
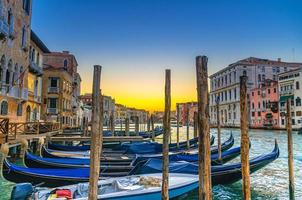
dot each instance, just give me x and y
(52, 103)
(274, 77)
(258, 104)
(268, 91)
(4, 108)
(38, 59)
(259, 114)
(297, 85)
(235, 93)
(253, 105)
(26, 6)
(19, 109)
(293, 121)
(244, 73)
(24, 37)
(258, 92)
(275, 90)
(298, 101)
(282, 121)
(2, 64)
(230, 94)
(259, 77)
(10, 21)
(252, 94)
(299, 113)
(263, 77)
(53, 82)
(253, 114)
(65, 64)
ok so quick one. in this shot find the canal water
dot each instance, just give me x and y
(270, 182)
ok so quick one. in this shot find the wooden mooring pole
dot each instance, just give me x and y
(127, 126)
(245, 163)
(188, 124)
(290, 150)
(195, 124)
(167, 131)
(96, 134)
(218, 129)
(177, 126)
(204, 153)
(152, 127)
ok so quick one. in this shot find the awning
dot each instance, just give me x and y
(284, 98)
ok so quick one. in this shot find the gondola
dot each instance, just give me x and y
(33, 161)
(118, 146)
(147, 187)
(224, 174)
(136, 149)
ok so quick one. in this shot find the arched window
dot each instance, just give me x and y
(10, 21)
(259, 77)
(24, 37)
(2, 66)
(28, 112)
(65, 63)
(297, 85)
(26, 6)
(244, 73)
(19, 109)
(263, 77)
(4, 108)
(35, 114)
(38, 59)
(15, 75)
(9, 71)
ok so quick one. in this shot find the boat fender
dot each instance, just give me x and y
(22, 191)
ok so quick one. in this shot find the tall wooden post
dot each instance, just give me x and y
(167, 131)
(188, 124)
(218, 129)
(112, 124)
(136, 125)
(204, 152)
(127, 126)
(245, 164)
(152, 127)
(290, 150)
(195, 124)
(177, 125)
(96, 134)
(148, 124)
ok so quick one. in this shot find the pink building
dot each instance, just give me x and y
(264, 105)
(192, 106)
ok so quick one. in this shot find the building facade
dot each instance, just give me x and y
(290, 88)
(189, 107)
(225, 85)
(35, 72)
(58, 87)
(108, 106)
(264, 102)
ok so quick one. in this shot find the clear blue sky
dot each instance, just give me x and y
(136, 40)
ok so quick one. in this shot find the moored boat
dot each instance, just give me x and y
(224, 174)
(147, 187)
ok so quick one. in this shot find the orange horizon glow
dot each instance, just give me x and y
(145, 91)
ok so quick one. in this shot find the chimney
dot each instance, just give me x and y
(279, 59)
(67, 52)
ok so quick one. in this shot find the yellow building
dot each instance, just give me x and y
(36, 51)
(57, 89)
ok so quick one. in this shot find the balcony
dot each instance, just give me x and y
(53, 90)
(35, 68)
(4, 29)
(53, 111)
(287, 92)
(18, 93)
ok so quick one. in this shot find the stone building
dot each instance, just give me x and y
(58, 87)
(290, 88)
(226, 82)
(35, 72)
(264, 105)
(15, 28)
(109, 106)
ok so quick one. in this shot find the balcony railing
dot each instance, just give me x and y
(287, 92)
(35, 68)
(53, 90)
(4, 29)
(52, 110)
